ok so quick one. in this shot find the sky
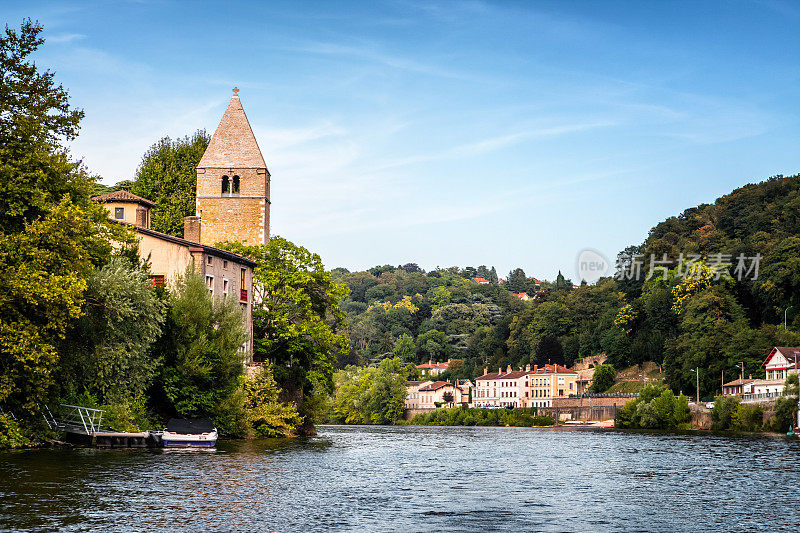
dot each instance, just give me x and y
(510, 134)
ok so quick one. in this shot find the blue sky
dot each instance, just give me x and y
(464, 133)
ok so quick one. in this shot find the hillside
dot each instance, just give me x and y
(707, 319)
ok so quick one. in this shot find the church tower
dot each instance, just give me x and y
(233, 183)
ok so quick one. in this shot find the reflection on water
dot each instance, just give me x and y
(414, 479)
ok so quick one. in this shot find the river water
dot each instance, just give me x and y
(414, 479)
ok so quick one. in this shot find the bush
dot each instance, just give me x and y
(10, 433)
(748, 417)
(722, 413)
(655, 408)
(461, 416)
(785, 414)
(603, 378)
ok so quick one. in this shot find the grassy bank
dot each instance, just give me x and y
(461, 416)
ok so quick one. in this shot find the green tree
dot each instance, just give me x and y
(603, 378)
(296, 314)
(110, 346)
(404, 348)
(723, 410)
(517, 280)
(371, 395)
(167, 175)
(203, 371)
(266, 414)
(51, 235)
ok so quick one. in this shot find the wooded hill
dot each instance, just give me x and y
(672, 319)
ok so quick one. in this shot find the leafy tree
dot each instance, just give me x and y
(51, 236)
(723, 410)
(447, 397)
(748, 417)
(110, 346)
(371, 395)
(655, 408)
(516, 280)
(167, 175)
(404, 348)
(549, 351)
(266, 414)
(203, 370)
(296, 314)
(603, 378)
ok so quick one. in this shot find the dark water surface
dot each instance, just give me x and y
(414, 479)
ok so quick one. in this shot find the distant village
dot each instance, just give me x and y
(564, 393)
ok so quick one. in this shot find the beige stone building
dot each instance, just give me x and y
(233, 183)
(227, 275)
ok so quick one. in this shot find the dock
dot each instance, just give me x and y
(82, 426)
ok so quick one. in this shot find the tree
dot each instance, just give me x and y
(266, 414)
(110, 346)
(448, 397)
(296, 314)
(549, 351)
(371, 395)
(603, 378)
(404, 348)
(51, 235)
(516, 280)
(204, 363)
(167, 175)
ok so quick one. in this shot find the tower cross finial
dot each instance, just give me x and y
(236, 91)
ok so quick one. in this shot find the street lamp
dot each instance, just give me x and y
(697, 372)
(784, 315)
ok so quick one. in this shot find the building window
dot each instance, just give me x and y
(224, 264)
(119, 213)
(235, 185)
(226, 185)
(210, 284)
(224, 287)
(157, 280)
(209, 259)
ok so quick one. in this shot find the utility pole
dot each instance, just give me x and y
(697, 373)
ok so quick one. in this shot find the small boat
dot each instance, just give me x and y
(189, 432)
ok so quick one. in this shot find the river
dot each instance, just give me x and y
(353, 478)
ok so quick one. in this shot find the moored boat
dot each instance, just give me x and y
(189, 432)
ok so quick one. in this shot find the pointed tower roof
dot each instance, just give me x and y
(233, 144)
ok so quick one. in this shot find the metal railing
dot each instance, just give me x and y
(761, 396)
(76, 418)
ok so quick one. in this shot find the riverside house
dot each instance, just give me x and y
(524, 388)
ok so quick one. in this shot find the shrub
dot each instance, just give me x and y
(603, 378)
(655, 408)
(10, 433)
(785, 413)
(748, 417)
(722, 413)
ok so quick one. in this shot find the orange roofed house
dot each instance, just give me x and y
(525, 388)
(431, 369)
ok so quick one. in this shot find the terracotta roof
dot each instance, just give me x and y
(436, 385)
(739, 381)
(123, 196)
(479, 281)
(233, 144)
(553, 369)
(514, 374)
(434, 365)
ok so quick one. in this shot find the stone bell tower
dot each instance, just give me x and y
(233, 183)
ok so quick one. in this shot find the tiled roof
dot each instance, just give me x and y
(436, 385)
(123, 196)
(479, 281)
(514, 374)
(434, 365)
(739, 381)
(233, 144)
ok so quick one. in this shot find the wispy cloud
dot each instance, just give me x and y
(62, 38)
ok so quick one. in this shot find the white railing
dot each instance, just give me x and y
(761, 396)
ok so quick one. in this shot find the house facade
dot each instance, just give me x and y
(227, 275)
(431, 369)
(525, 388)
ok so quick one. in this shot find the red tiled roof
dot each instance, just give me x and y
(436, 385)
(480, 281)
(739, 381)
(123, 196)
(434, 365)
(553, 369)
(514, 374)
